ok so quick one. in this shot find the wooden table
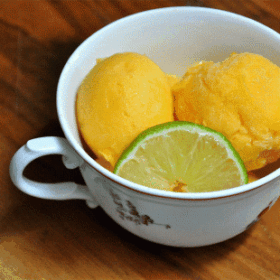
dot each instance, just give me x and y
(41, 239)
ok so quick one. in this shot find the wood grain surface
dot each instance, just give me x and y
(42, 239)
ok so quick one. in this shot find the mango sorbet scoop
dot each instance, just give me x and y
(120, 97)
(239, 97)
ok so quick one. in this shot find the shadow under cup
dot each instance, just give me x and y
(173, 38)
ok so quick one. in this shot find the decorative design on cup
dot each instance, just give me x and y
(127, 211)
(262, 212)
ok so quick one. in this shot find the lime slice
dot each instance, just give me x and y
(182, 157)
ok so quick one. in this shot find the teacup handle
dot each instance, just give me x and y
(39, 147)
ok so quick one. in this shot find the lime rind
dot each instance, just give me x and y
(164, 128)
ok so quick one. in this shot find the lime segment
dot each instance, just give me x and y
(182, 157)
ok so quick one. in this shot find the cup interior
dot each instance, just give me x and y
(174, 38)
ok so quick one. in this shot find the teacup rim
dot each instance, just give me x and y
(136, 187)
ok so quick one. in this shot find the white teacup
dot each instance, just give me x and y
(173, 38)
